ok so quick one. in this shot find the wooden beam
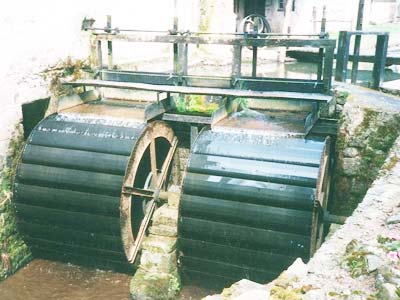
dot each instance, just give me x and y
(187, 118)
(342, 57)
(220, 40)
(380, 60)
(357, 42)
(203, 90)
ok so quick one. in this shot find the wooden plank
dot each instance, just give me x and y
(237, 61)
(186, 118)
(203, 91)
(155, 109)
(109, 46)
(194, 132)
(183, 59)
(380, 60)
(357, 42)
(312, 56)
(218, 39)
(359, 32)
(342, 57)
(99, 55)
(328, 68)
(230, 106)
(254, 62)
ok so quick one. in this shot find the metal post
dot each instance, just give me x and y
(255, 54)
(342, 58)
(328, 68)
(357, 42)
(237, 62)
(175, 31)
(194, 132)
(254, 62)
(382, 41)
(99, 55)
(109, 45)
(321, 50)
(183, 59)
(314, 19)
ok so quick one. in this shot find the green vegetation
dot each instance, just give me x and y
(13, 251)
(66, 69)
(14, 152)
(355, 258)
(195, 104)
(378, 142)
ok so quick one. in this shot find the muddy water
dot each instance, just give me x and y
(48, 280)
(43, 279)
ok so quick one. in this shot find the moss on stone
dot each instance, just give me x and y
(373, 139)
(391, 163)
(14, 252)
(66, 69)
(15, 148)
(147, 286)
(280, 293)
(355, 259)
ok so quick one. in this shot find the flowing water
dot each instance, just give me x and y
(48, 280)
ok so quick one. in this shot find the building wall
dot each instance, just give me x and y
(383, 11)
(38, 34)
(341, 15)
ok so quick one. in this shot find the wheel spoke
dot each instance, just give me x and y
(153, 161)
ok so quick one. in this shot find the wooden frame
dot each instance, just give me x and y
(343, 55)
(181, 42)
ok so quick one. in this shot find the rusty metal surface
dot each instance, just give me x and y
(132, 213)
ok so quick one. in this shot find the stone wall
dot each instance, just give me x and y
(157, 277)
(366, 134)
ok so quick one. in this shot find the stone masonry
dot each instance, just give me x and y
(157, 277)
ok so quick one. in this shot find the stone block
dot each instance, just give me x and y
(150, 286)
(159, 244)
(358, 187)
(351, 166)
(246, 289)
(165, 216)
(373, 262)
(350, 152)
(394, 219)
(174, 195)
(158, 262)
(163, 230)
(388, 291)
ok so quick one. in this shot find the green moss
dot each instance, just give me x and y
(155, 286)
(373, 138)
(15, 148)
(69, 68)
(355, 258)
(195, 104)
(392, 162)
(13, 250)
(279, 293)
